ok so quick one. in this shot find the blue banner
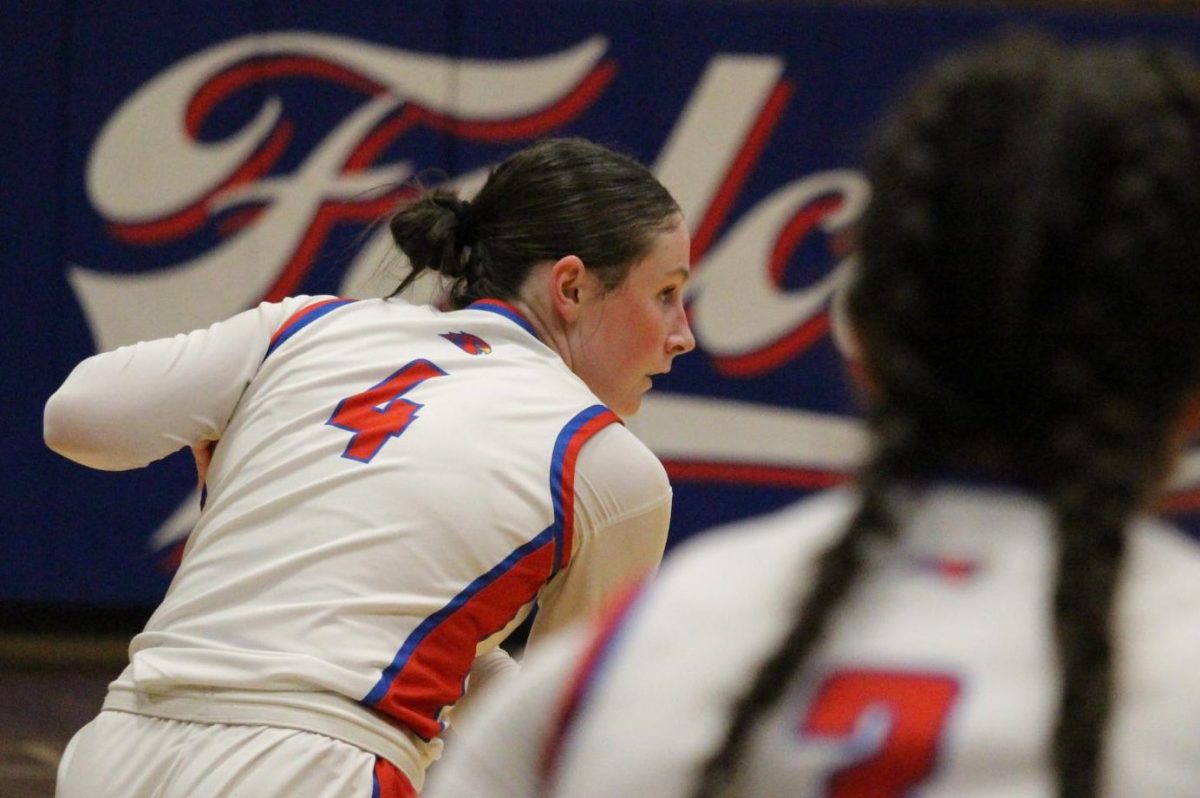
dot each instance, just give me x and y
(168, 165)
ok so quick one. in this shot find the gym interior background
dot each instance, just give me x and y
(168, 165)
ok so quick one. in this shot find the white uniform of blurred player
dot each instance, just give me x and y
(392, 490)
(936, 676)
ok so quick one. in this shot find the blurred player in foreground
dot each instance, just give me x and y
(988, 611)
(393, 486)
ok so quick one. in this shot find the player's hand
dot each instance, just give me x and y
(202, 453)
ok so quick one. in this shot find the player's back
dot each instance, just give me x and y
(388, 479)
(939, 672)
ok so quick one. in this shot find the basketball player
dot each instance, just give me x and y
(393, 487)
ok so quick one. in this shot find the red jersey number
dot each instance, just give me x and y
(907, 712)
(379, 413)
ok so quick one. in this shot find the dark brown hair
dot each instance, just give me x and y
(555, 198)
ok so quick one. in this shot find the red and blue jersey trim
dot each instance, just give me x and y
(562, 476)
(301, 319)
(388, 781)
(502, 308)
(430, 669)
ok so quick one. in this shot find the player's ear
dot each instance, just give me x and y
(568, 286)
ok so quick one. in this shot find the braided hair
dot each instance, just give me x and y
(555, 198)
(1026, 302)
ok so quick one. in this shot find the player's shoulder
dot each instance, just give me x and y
(805, 525)
(1162, 569)
(615, 462)
(761, 558)
(735, 582)
(292, 313)
(1158, 604)
(300, 302)
(1158, 651)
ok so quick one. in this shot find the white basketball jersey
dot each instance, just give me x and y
(937, 677)
(392, 490)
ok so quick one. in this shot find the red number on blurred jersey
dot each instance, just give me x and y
(378, 413)
(908, 711)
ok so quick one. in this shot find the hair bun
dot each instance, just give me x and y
(435, 232)
(464, 218)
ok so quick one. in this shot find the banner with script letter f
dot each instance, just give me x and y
(169, 169)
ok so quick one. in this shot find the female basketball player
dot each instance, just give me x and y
(393, 487)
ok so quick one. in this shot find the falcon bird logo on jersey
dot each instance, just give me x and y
(471, 344)
(953, 569)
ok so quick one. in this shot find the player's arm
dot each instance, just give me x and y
(623, 511)
(489, 672)
(501, 752)
(139, 403)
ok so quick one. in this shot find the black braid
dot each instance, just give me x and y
(1026, 301)
(837, 570)
(1091, 531)
(1111, 447)
(898, 451)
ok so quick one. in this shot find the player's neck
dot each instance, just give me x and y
(545, 323)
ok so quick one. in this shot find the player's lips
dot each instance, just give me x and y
(650, 377)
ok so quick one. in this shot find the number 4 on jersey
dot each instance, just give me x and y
(379, 413)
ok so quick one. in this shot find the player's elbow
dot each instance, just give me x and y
(70, 429)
